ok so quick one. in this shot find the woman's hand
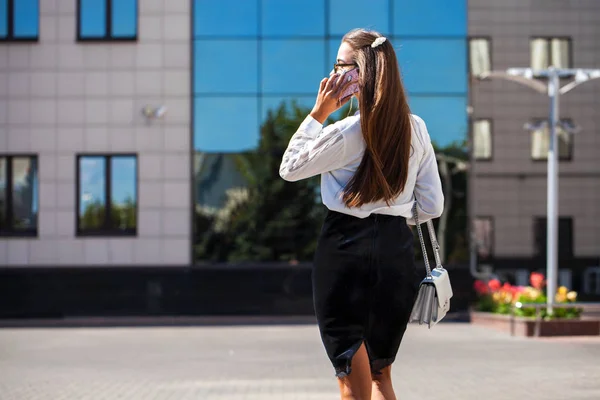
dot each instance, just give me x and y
(328, 97)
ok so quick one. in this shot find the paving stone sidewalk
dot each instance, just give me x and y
(452, 361)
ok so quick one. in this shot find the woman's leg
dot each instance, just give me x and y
(382, 385)
(392, 297)
(357, 385)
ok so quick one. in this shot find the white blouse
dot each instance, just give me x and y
(335, 153)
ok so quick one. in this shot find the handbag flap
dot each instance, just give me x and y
(441, 280)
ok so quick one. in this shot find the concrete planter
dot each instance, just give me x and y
(522, 326)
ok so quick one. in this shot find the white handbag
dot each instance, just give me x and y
(433, 299)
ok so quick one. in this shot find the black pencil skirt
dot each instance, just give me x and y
(364, 286)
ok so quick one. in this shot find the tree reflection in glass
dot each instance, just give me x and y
(245, 211)
(123, 193)
(24, 193)
(92, 189)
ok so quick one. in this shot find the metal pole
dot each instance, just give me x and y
(552, 195)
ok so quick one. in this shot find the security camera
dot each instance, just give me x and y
(147, 111)
(160, 112)
(151, 112)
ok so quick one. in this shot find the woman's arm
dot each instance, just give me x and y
(428, 187)
(314, 150)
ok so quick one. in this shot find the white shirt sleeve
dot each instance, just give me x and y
(314, 150)
(428, 187)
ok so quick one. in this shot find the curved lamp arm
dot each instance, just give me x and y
(575, 83)
(533, 84)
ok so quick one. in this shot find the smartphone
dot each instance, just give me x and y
(351, 75)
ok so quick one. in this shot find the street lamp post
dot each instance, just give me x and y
(552, 193)
(527, 77)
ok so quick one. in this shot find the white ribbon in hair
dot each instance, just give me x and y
(379, 41)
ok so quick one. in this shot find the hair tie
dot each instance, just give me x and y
(378, 42)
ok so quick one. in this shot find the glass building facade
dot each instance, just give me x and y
(250, 57)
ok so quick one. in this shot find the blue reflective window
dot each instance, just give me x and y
(123, 192)
(272, 103)
(19, 19)
(107, 19)
(430, 18)
(24, 193)
(345, 15)
(18, 195)
(433, 65)
(3, 19)
(92, 192)
(225, 124)
(107, 195)
(92, 18)
(292, 66)
(445, 116)
(293, 17)
(124, 18)
(215, 174)
(226, 17)
(226, 66)
(26, 18)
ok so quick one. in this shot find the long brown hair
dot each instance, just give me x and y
(384, 120)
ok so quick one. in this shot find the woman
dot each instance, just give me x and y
(373, 167)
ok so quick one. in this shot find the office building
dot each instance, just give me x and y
(510, 173)
(125, 126)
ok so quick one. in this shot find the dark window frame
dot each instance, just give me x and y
(540, 247)
(548, 40)
(489, 40)
(105, 230)
(6, 229)
(10, 24)
(492, 237)
(568, 158)
(491, 157)
(108, 35)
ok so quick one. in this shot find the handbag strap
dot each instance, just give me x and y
(434, 242)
